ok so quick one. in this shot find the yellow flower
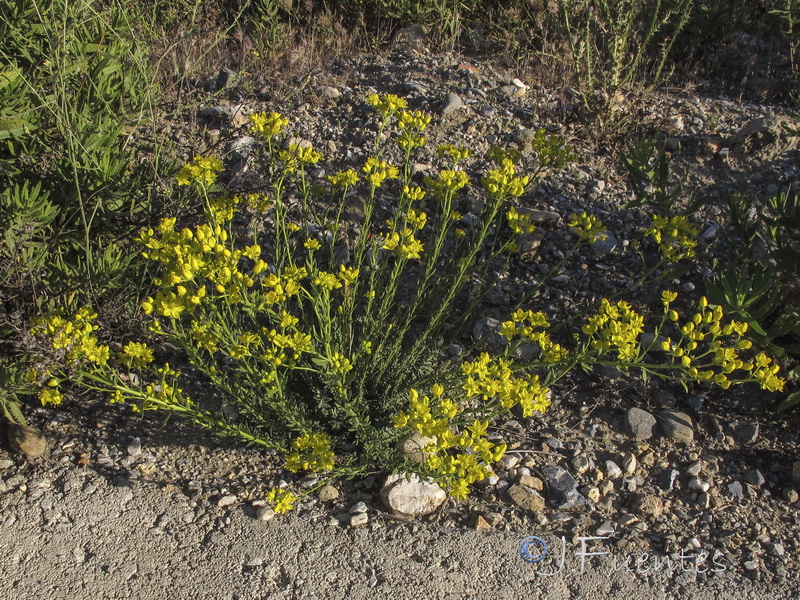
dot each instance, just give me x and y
(284, 500)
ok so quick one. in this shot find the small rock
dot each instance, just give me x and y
(524, 136)
(28, 440)
(227, 500)
(605, 530)
(629, 465)
(452, 103)
(699, 485)
(135, 447)
(328, 91)
(487, 330)
(225, 77)
(482, 524)
(640, 423)
(751, 565)
(541, 217)
(526, 498)
(532, 482)
(507, 461)
(604, 244)
(580, 464)
(746, 433)
(562, 488)
(790, 495)
(328, 493)
(592, 493)
(359, 519)
(696, 403)
(265, 513)
(754, 477)
(413, 447)
(411, 496)
(6, 464)
(694, 469)
(359, 508)
(612, 470)
(677, 426)
(735, 489)
(703, 500)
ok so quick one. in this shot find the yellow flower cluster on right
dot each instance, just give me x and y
(716, 360)
(588, 227)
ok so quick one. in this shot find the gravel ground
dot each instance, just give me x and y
(125, 507)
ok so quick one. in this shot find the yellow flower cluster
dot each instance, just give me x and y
(404, 243)
(503, 182)
(494, 379)
(268, 125)
(310, 452)
(189, 258)
(519, 222)
(136, 355)
(456, 153)
(530, 326)
(676, 236)
(284, 285)
(448, 182)
(343, 179)
(202, 171)
(297, 156)
(615, 327)
(223, 207)
(386, 104)
(377, 171)
(588, 227)
(411, 125)
(458, 459)
(75, 335)
(705, 327)
(284, 500)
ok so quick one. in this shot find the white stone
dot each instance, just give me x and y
(411, 496)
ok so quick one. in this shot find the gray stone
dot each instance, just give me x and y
(746, 433)
(640, 423)
(28, 440)
(629, 464)
(790, 495)
(604, 244)
(562, 488)
(540, 217)
(646, 504)
(411, 496)
(413, 447)
(225, 77)
(487, 331)
(694, 469)
(605, 530)
(227, 500)
(452, 103)
(526, 498)
(754, 477)
(328, 91)
(612, 470)
(328, 493)
(359, 519)
(581, 464)
(265, 513)
(135, 447)
(524, 136)
(735, 489)
(677, 426)
(359, 508)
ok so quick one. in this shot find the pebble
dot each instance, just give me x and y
(264, 513)
(694, 469)
(790, 495)
(612, 470)
(328, 91)
(507, 461)
(629, 465)
(754, 477)
(28, 440)
(562, 488)
(640, 423)
(328, 493)
(677, 426)
(227, 500)
(359, 508)
(452, 103)
(411, 496)
(735, 489)
(580, 464)
(526, 498)
(532, 482)
(605, 530)
(359, 519)
(746, 433)
(699, 485)
(134, 449)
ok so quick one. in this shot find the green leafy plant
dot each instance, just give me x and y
(334, 356)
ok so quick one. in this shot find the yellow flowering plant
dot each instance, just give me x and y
(322, 336)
